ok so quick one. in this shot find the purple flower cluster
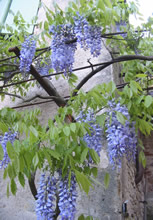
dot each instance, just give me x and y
(62, 56)
(45, 204)
(49, 188)
(89, 37)
(81, 26)
(67, 198)
(8, 136)
(93, 39)
(93, 140)
(122, 140)
(27, 53)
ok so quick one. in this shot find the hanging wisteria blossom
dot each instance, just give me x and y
(80, 25)
(62, 56)
(122, 139)
(93, 140)
(8, 136)
(45, 203)
(67, 198)
(88, 36)
(27, 53)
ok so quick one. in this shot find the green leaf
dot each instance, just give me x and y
(11, 171)
(84, 155)
(120, 117)
(144, 126)
(1, 152)
(148, 100)
(111, 87)
(81, 217)
(34, 131)
(28, 157)
(35, 160)
(5, 173)
(142, 158)
(21, 163)
(101, 5)
(89, 218)
(10, 150)
(48, 157)
(74, 6)
(73, 127)
(82, 2)
(141, 75)
(108, 3)
(83, 181)
(101, 119)
(13, 187)
(3, 127)
(21, 179)
(135, 86)
(46, 26)
(66, 131)
(53, 153)
(106, 180)
(94, 171)
(94, 156)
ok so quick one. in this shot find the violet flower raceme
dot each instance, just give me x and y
(27, 53)
(89, 37)
(62, 56)
(122, 139)
(93, 39)
(8, 136)
(45, 204)
(93, 140)
(67, 198)
(80, 25)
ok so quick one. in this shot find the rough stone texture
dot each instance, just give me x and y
(147, 141)
(131, 193)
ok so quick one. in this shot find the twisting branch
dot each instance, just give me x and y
(8, 64)
(106, 64)
(42, 51)
(90, 64)
(45, 83)
(109, 36)
(10, 94)
(7, 58)
(42, 97)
